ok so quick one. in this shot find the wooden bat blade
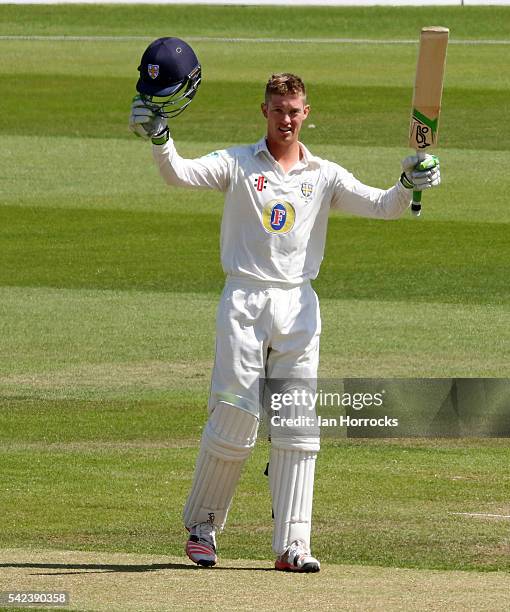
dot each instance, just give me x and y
(428, 88)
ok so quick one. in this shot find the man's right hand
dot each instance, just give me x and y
(144, 122)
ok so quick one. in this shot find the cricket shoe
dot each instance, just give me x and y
(297, 558)
(201, 545)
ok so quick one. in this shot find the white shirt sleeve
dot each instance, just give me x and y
(212, 171)
(352, 196)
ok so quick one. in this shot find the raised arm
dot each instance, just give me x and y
(209, 172)
(353, 196)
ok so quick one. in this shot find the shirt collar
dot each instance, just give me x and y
(308, 158)
(260, 146)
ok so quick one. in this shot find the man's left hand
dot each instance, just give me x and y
(420, 174)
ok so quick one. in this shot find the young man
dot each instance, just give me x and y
(277, 199)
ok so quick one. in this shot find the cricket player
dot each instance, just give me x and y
(277, 199)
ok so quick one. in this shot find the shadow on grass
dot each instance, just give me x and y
(106, 568)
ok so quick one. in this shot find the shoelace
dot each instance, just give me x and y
(205, 533)
(296, 550)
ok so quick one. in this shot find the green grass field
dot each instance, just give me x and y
(109, 281)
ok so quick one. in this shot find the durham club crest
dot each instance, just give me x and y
(153, 70)
(306, 189)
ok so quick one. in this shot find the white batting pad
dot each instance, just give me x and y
(291, 476)
(291, 413)
(227, 441)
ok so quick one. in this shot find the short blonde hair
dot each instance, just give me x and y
(284, 84)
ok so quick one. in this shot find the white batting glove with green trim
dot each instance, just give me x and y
(420, 174)
(144, 122)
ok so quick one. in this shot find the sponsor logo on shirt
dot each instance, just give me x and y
(260, 182)
(278, 217)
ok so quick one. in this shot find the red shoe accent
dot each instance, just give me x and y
(201, 554)
(307, 568)
(283, 566)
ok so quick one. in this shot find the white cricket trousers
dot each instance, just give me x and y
(263, 330)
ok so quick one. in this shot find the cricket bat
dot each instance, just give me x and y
(428, 89)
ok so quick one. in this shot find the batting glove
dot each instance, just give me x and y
(420, 174)
(146, 123)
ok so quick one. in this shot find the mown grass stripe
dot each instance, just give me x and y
(345, 113)
(262, 40)
(254, 21)
(365, 259)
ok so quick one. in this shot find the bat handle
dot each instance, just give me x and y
(416, 205)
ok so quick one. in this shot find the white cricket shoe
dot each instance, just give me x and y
(297, 558)
(201, 544)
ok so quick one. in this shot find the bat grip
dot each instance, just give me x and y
(416, 204)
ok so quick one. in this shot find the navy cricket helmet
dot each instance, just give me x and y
(170, 74)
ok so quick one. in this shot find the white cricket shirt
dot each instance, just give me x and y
(274, 223)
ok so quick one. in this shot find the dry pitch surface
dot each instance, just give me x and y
(99, 581)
